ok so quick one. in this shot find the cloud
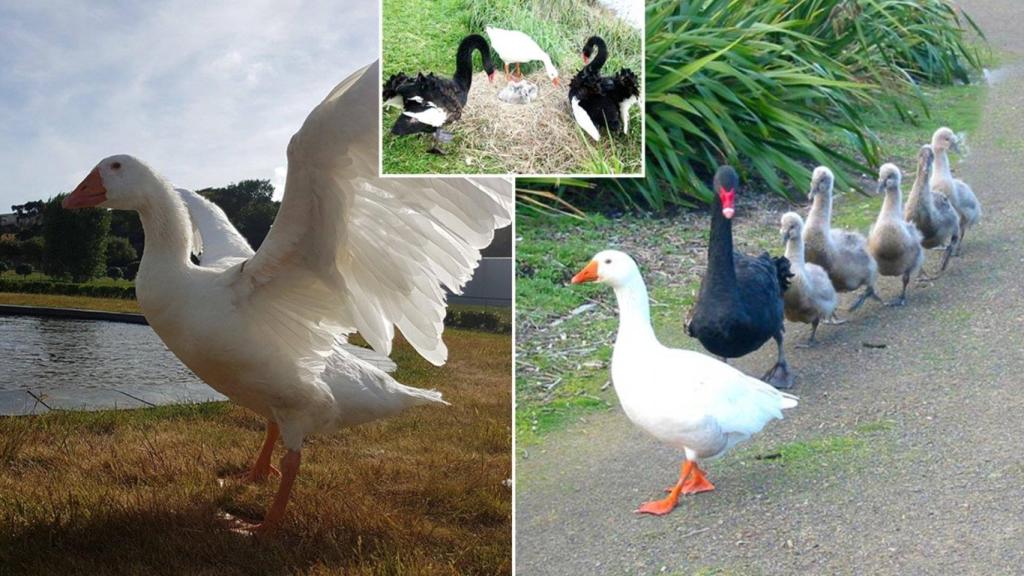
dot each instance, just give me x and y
(207, 93)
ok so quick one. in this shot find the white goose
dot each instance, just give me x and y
(348, 252)
(685, 399)
(517, 48)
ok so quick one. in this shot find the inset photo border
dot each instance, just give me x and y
(512, 87)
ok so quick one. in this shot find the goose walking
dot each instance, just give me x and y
(685, 399)
(348, 252)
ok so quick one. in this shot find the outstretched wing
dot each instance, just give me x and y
(216, 241)
(353, 252)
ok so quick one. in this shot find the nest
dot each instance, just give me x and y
(536, 138)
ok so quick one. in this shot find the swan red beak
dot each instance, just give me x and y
(728, 197)
(588, 274)
(586, 59)
(89, 193)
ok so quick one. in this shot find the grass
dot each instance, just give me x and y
(504, 315)
(135, 492)
(545, 137)
(562, 358)
(64, 301)
(39, 276)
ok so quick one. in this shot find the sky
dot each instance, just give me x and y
(206, 92)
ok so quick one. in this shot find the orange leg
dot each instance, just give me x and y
(508, 76)
(519, 72)
(289, 470)
(262, 469)
(691, 481)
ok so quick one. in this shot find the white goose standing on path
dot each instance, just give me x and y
(685, 399)
(347, 252)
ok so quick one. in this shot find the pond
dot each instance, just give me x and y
(88, 364)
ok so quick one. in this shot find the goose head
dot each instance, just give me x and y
(944, 139)
(551, 71)
(120, 182)
(889, 178)
(822, 181)
(792, 227)
(610, 267)
(725, 184)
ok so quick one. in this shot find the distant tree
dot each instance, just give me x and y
(23, 269)
(28, 217)
(10, 248)
(115, 273)
(120, 251)
(4, 266)
(126, 223)
(32, 250)
(249, 205)
(76, 241)
(131, 270)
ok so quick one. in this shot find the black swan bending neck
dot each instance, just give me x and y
(597, 63)
(464, 59)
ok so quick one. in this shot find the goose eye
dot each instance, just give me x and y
(608, 261)
(116, 165)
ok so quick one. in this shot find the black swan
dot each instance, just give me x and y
(430, 102)
(602, 100)
(740, 304)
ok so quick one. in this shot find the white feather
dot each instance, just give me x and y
(624, 107)
(432, 116)
(583, 119)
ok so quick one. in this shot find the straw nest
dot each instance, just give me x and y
(536, 138)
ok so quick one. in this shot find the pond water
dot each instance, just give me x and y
(89, 364)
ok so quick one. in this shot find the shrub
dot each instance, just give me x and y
(120, 252)
(115, 273)
(68, 288)
(23, 269)
(4, 266)
(131, 270)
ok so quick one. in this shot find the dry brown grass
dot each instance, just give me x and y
(136, 492)
(540, 137)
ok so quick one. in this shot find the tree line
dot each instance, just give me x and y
(80, 245)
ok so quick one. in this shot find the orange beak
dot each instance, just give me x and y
(588, 274)
(556, 81)
(89, 193)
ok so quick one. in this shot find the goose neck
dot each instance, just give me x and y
(167, 231)
(634, 315)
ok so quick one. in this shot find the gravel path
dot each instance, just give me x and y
(902, 460)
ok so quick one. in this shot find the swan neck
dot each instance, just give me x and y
(892, 204)
(464, 59)
(602, 56)
(821, 211)
(795, 251)
(942, 163)
(721, 268)
(634, 314)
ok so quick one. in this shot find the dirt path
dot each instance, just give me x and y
(900, 460)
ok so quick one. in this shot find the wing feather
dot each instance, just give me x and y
(353, 252)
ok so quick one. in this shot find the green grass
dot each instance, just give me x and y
(136, 491)
(39, 276)
(561, 27)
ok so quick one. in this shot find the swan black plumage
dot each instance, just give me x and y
(602, 100)
(430, 102)
(740, 305)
